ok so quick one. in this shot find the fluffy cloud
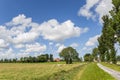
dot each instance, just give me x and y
(10, 54)
(5, 34)
(85, 50)
(86, 9)
(7, 54)
(23, 54)
(22, 34)
(74, 45)
(50, 43)
(24, 30)
(55, 31)
(35, 48)
(3, 44)
(19, 46)
(103, 8)
(92, 41)
(60, 48)
(92, 8)
(25, 37)
(20, 19)
(58, 44)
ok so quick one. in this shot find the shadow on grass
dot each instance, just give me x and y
(63, 75)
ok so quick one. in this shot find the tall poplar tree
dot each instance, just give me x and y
(110, 34)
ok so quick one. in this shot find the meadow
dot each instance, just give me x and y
(33, 71)
(52, 71)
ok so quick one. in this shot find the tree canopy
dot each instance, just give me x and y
(88, 57)
(95, 53)
(69, 54)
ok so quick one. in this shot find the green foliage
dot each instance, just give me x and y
(95, 53)
(115, 13)
(107, 41)
(118, 58)
(116, 3)
(107, 55)
(88, 57)
(42, 58)
(47, 56)
(51, 57)
(69, 54)
(110, 34)
(30, 59)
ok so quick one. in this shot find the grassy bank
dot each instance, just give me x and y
(112, 66)
(67, 75)
(93, 72)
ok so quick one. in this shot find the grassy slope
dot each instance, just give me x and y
(112, 66)
(93, 72)
(34, 71)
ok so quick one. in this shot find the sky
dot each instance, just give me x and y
(34, 27)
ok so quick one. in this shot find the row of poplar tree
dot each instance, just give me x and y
(30, 59)
(110, 35)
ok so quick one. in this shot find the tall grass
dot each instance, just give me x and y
(93, 72)
(34, 71)
(67, 75)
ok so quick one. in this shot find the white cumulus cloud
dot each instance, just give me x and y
(86, 9)
(19, 46)
(55, 31)
(3, 44)
(25, 37)
(74, 45)
(60, 48)
(103, 8)
(94, 8)
(20, 19)
(92, 41)
(22, 34)
(7, 54)
(35, 48)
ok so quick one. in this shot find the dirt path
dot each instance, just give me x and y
(112, 72)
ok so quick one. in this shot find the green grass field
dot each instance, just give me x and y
(93, 72)
(52, 71)
(118, 62)
(32, 71)
(112, 66)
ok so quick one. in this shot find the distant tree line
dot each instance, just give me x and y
(88, 57)
(30, 59)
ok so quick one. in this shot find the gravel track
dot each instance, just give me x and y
(112, 72)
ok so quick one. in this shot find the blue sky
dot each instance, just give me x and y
(31, 28)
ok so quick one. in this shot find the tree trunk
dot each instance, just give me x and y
(67, 62)
(70, 61)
